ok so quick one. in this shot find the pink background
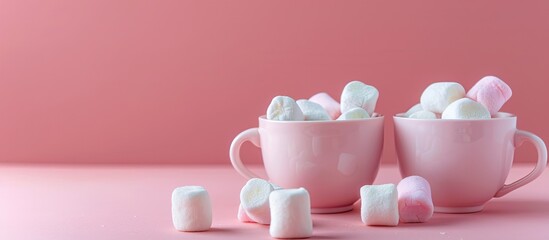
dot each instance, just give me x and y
(175, 81)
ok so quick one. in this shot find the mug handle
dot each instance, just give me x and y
(251, 135)
(521, 137)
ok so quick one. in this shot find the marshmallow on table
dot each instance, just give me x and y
(413, 109)
(254, 199)
(328, 103)
(290, 213)
(465, 108)
(357, 94)
(354, 113)
(423, 115)
(491, 92)
(243, 216)
(439, 95)
(283, 108)
(191, 209)
(312, 111)
(379, 204)
(414, 199)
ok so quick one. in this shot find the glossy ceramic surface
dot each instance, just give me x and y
(331, 159)
(465, 161)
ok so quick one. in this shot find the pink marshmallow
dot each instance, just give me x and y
(491, 92)
(414, 200)
(243, 216)
(328, 103)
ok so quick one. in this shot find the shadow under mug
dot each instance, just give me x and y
(331, 159)
(465, 161)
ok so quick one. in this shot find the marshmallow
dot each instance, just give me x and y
(355, 113)
(379, 204)
(439, 95)
(465, 108)
(191, 209)
(423, 115)
(357, 94)
(414, 200)
(491, 92)
(243, 216)
(413, 109)
(283, 108)
(312, 111)
(291, 214)
(254, 199)
(328, 103)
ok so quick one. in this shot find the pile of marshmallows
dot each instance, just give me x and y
(358, 101)
(288, 211)
(447, 100)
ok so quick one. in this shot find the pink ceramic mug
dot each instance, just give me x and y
(331, 159)
(465, 161)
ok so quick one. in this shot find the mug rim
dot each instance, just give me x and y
(501, 117)
(379, 116)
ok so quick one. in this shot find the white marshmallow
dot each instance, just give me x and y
(423, 115)
(312, 111)
(254, 199)
(413, 109)
(355, 113)
(439, 95)
(191, 209)
(242, 215)
(466, 108)
(357, 94)
(327, 102)
(379, 204)
(291, 214)
(283, 108)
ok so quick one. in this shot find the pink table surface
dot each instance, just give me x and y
(133, 202)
